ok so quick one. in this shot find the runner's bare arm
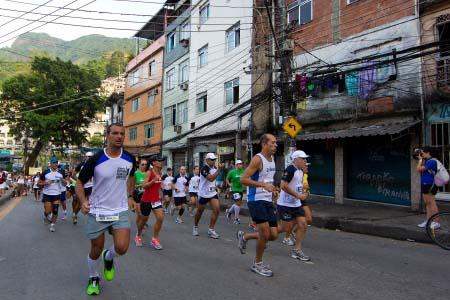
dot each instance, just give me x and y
(79, 191)
(253, 167)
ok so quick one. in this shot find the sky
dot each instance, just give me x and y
(11, 27)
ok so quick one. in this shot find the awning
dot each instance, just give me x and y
(372, 130)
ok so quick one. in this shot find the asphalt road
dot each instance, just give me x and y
(37, 264)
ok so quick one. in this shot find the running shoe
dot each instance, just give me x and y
(242, 244)
(228, 214)
(156, 244)
(195, 231)
(261, 269)
(423, 224)
(288, 242)
(293, 237)
(93, 287)
(108, 267)
(237, 221)
(74, 219)
(253, 226)
(213, 234)
(138, 241)
(178, 220)
(46, 220)
(64, 215)
(298, 254)
(435, 225)
(52, 227)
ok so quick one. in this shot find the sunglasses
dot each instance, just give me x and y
(143, 164)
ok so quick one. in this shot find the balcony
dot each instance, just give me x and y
(443, 73)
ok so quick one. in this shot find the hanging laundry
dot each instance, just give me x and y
(317, 88)
(310, 86)
(301, 82)
(384, 72)
(328, 83)
(341, 83)
(351, 83)
(367, 81)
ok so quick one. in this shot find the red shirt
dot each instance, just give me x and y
(152, 194)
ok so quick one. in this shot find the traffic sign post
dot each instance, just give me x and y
(292, 127)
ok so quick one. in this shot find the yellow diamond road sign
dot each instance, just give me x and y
(292, 127)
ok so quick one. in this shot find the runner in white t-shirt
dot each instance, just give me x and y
(36, 187)
(167, 189)
(107, 209)
(194, 182)
(180, 187)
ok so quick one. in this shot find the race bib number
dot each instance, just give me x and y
(299, 189)
(212, 189)
(109, 218)
(236, 196)
(195, 188)
(156, 204)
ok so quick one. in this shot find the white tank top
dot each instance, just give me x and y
(296, 184)
(266, 175)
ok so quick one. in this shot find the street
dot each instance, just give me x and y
(37, 264)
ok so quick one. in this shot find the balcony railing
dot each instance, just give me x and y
(443, 72)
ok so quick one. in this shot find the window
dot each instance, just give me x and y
(185, 31)
(182, 110)
(135, 105)
(151, 97)
(149, 131)
(152, 69)
(204, 13)
(2, 135)
(233, 36)
(133, 77)
(232, 91)
(9, 142)
(170, 114)
(202, 102)
(351, 1)
(170, 79)
(184, 71)
(203, 56)
(300, 12)
(133, 134)
(171, 42)
(440, 134)
(10, 134)
(2, 142)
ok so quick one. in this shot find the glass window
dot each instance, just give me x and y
(171, 42)
(152, 69)
(204, 13)
(151, 97)
(202, 100)
(135, 105)
(170, 115)
(185, 31)
(232, 91)
(2, 142)
(351, 1)
(133, 77)
(170, 79)
(184, 71)
(233, 36)
(300, 12)
(203, 56)
(9, 142)
(182, 110)
(133, 134)
(2, 135)
(149, 130)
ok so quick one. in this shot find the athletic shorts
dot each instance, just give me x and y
(305, 203)
(36, 189)
(204, 201)
(147, 207)
(193, 194)
(94, 228)
(288, 214)
(429, 189)
(137, 196)
(63, 197)
(88, 191)
(236, 196)
(50, 198)
(167, 193)
(179, 200)
(262, 211)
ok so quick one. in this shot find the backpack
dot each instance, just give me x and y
(441, 177)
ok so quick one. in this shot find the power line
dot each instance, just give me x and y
(189, 5)
(24, 13)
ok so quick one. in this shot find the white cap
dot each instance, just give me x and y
(299, 154)
(89, 154)
(239, 161)
(211, 156)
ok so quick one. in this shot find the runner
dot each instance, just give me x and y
(139, 177)
(50, 180)
(179, 186)
(62, 185)
(71, 194)
(112, 171)
(234, 181)
(167, 189)
(258, 177)
(87, 186)
(289, 208)
(194, 182)
(151, 201)
(208, 194)
(36, 188)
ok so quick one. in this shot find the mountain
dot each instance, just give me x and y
(79, 51)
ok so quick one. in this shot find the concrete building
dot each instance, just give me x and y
(357, 95)
(142, 105)
(7, 140)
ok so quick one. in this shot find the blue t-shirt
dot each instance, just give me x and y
(427, 176)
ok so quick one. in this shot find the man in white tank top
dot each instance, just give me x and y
(289, 206)
(258, 177)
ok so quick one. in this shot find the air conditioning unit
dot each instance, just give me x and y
(184, 42)
(184, 86)
(177, 129)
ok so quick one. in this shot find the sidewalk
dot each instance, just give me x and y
(378, 220)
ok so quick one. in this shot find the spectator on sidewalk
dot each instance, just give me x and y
(427, 167)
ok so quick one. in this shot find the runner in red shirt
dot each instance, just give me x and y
(151, 201)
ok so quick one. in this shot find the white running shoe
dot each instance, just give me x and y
(288, 242)
(435, 225)
(195, 231)
(213, 234)
(423, 224)
(52, 227)
(261, 269)
(178, 220)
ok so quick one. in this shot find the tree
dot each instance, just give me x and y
(53, 104)
(96, 141)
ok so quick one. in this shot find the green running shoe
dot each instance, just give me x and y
(108, 267)
(93, 287)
